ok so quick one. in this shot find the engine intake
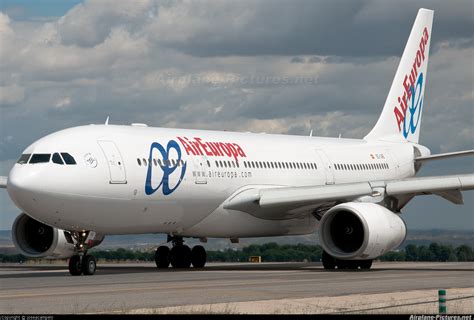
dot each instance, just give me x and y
(37, 240)
(360, 231)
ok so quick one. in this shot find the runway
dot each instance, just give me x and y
(123, 288)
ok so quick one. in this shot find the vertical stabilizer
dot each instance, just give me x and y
(401, 115)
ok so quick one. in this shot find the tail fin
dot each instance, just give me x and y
(401, 115)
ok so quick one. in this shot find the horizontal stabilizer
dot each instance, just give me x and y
(3, 182)
(442, 156)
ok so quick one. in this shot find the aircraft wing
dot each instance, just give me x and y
(3, 182)
(291, 202)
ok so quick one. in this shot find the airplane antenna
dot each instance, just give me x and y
(340, 135)
(107, 121)
(311, 133)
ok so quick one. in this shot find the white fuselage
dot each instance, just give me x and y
(121, 182)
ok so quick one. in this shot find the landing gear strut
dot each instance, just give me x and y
(81, 263)
(180, 256)
(330, 263)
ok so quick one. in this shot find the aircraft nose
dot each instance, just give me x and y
(20, 184)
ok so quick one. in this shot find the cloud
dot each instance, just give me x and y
(10, 95)
(90, 23)
(64, 102)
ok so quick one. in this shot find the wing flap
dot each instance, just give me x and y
(430, 184)
(299, 196)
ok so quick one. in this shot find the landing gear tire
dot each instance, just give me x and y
(329, 263)
(180, 256)
(75, 266)
(342, 264)
(88, 265)
(347, 264)
(365, 264)
(198, 256)
(162, 257)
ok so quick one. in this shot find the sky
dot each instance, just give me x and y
(264, 66)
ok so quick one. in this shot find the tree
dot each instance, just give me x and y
(425, 254)
(411, 252)
(464, 253)
(435, 248)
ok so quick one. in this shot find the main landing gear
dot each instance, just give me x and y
(180, 256)
(330, 263)
(81, 263)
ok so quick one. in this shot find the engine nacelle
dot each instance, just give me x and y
(35, 239)
(356, 230)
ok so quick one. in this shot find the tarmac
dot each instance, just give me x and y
(237, 288)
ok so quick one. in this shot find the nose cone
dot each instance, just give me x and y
(20, 185)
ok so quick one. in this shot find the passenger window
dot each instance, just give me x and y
(139, 162)
(208, 164)
(24, 158)
(40, 158)
(57, 159)
(68, 159)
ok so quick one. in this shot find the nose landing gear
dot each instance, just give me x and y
(180, 256)
(81, 263)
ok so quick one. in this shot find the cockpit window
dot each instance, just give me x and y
(40, 158)
(68, 159)
(24, 158)
(57, 158)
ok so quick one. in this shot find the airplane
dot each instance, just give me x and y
(78, 185)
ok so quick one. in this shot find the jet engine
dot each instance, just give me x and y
(35, 239)
(356, 230)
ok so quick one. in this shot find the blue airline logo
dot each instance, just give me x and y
(413, 114)
(167, 169)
